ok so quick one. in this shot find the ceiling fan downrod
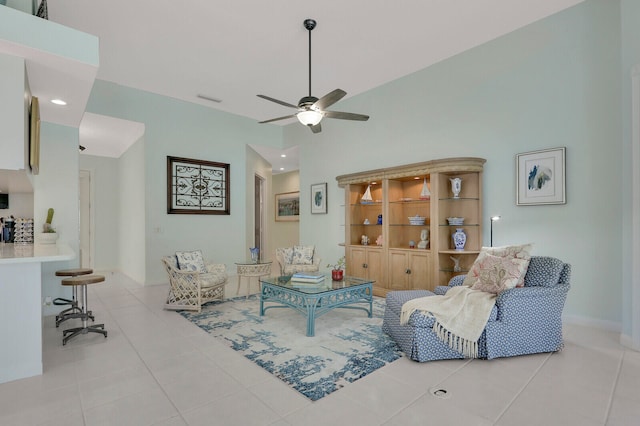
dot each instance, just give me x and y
(309, 24)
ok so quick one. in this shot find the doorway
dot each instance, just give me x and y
(86, 234)
(258, 214)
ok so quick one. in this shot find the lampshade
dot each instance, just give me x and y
(309, 117)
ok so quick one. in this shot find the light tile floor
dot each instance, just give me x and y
(156, 368)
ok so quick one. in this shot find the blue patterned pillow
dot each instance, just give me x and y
(303, 255)
(543, 271)
(190, 261)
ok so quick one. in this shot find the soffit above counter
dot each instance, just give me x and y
(61, 62)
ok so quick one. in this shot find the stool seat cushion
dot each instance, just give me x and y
(83, 280)
(74, 272)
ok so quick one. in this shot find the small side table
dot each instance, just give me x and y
(250, 269)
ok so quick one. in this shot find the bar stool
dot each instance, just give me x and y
(83, 281)
(74, 311)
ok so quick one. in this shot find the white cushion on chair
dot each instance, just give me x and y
(190, 261)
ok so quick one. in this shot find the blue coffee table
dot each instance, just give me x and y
(314, 300)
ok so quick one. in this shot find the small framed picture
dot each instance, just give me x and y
(541, 177)
(319, 198)
(288, 207)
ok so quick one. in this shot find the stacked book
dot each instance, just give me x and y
(307, 278)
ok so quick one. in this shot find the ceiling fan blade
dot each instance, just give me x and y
(346, 115)
(329, 99)
(316, 129)
(277, 101)
(276, 119)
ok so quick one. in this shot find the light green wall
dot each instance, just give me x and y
(553, 83)
(183, 129)
(630, 35)
(48, 37)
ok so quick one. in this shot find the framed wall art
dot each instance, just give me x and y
(288, 207)
(197, 187)
(541, 177)
(319, 198)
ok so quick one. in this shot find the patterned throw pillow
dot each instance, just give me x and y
(287, 254)
(498, 273)
(190, 261)
(303, 255)
(513, 252)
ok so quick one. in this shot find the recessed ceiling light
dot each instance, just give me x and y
(58, 102)
(283, 155)
(281, 168)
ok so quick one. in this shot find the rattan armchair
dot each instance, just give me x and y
(189, 290)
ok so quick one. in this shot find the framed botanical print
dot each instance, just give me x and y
(197, 187)
(319, 198)
(541, 177)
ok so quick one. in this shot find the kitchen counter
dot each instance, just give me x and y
(21, 306)
(23, 253)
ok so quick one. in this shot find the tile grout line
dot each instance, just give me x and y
(519, 392)
(615, 385)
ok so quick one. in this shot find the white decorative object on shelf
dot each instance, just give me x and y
(455, 220)
(366, 198)
(456, 264)
(456, 186)
(425, 194)
(416, 220)
(424, 239)
(459, 239)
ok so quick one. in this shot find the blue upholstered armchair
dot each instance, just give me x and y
(524, 320)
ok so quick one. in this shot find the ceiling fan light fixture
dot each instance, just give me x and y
(309, 117)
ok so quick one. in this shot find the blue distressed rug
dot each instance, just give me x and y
(347, 344)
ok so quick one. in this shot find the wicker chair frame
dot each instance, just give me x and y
(189, 290)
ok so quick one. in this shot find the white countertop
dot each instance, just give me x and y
(24, 253)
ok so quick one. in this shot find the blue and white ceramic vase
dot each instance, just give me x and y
(255, 254)
(459, 239)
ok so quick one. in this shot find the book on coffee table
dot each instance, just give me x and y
(310, 278)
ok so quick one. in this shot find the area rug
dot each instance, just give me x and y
(347, 344)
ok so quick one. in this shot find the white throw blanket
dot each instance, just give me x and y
(461, 316)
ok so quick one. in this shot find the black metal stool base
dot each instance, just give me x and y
(71, 313)
(72, 332)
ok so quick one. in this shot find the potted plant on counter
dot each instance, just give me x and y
(337, 270)
(48, 235)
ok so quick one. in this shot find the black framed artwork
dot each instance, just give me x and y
(197, 186)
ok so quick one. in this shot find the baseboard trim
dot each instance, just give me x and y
(595, 323)
(627, 342)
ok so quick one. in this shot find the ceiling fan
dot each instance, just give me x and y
(311, 110)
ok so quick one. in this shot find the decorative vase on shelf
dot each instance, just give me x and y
(456, 186)
(459, 239)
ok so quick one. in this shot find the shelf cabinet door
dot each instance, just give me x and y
(365, 262)
(409, 270)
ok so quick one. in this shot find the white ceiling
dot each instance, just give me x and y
(234, 50)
